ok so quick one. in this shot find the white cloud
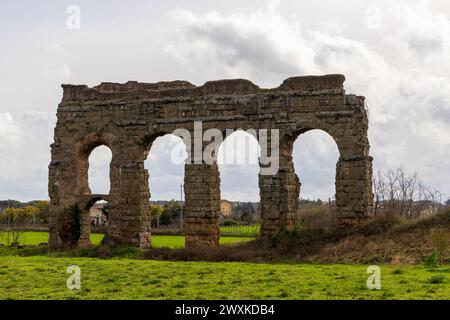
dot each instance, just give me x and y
(256, 45)
(166, 175)
(99, 170)
(315, 155)
(402, 69)
(25, 154)
(239, 167)
(56, 49)
(65, 71)
(11, 136)
(393, 52)
(373, 18)
(10, 133)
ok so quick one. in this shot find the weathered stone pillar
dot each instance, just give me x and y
(279, 195)
(63, 195)
(202, 206)
(54, 241)
(85, 236)
(354, 199)
(129, 214)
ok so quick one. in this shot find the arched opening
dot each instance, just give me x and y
(98, 216)
(315, 155)
(238, 161)
(165, 164)
(95, 220)
(93, 165)
(99, 163)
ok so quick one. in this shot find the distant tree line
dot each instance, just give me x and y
(15, 217)
(166, 214)
(245, 212)
(397, 192)
(37, 210)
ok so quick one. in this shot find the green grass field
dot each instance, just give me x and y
(44, 277)
(247, 231)
(35, 238)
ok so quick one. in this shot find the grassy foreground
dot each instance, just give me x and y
(45, 278)
(127, 277)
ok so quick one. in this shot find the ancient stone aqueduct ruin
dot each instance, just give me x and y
(128, 117)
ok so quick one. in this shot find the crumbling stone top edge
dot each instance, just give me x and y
(173, 89)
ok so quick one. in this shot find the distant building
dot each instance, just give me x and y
(97, 215)
(225, 208)
(427, 208)
(245, 208)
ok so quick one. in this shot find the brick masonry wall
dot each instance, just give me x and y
(129, 117)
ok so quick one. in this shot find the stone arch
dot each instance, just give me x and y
(99, 161)
(150, 138)
(91, 200)
(128, 117)
(280, 192)
(353, 169)
(240, 159)
(290, 135)
(322, 169)
(251, 133)
(295, 132)
(174, 155)
(246, 154)
(82, 150)
(315, 131)
(86, 203)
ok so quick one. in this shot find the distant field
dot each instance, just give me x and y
(43, 277)
(248, 231)
(35, 238)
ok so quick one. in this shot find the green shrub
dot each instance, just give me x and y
(436, 279)
(106, 252)
(229, 222)
(440, 240)
(69, 226)
(431, 261)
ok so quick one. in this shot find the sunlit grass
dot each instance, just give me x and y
(35, 238)
(42, 277)
(130, 277)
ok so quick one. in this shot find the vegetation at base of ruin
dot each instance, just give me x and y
(43, 277)
(69, 225)
(385, 239)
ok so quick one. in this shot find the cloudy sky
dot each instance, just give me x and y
(396, 53)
